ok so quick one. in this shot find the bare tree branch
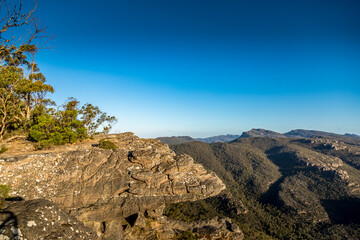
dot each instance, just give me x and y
(14, 17)
(37, 31)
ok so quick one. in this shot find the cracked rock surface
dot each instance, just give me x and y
(104, 187)
(41, 219)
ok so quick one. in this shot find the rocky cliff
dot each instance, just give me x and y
(110, 191)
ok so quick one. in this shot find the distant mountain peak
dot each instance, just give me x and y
(352, 135)
(303, 133)
(259, 132)
(176, 139)
(184, 139)
(219, 138)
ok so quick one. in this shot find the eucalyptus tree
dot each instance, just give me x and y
(93, 118)
(23, 87)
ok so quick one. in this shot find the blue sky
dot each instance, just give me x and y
(208, 67)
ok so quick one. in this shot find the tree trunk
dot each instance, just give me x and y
(27, 115)
(2, 129)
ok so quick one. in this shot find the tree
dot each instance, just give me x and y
(68, 124)
(12, 16)
(93, 118)
(33, 88)
(9, 103)
(22, 86)
(59, 127)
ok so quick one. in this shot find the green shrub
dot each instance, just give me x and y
(185, 235)
(59, 129)
(68, 124)
(107, 144)
(3, 149)
(4, 193)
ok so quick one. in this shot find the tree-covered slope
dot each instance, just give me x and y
(291, 188)
(176, 140)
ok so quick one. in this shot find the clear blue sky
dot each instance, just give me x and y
(208, 67)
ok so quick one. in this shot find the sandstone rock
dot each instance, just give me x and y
(324, 163)
(328, 143)
(40, 219)
(153, 225)
(103, 188)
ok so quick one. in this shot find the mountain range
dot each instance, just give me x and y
(303, 184)
(259, 132)
(184, 139)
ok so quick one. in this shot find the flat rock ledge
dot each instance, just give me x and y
(102, 188)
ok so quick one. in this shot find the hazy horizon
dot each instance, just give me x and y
(205, 68)
(205, 135)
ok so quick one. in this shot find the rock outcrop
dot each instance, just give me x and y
(328, 143)
(154, 225)
(108, 189)
(211, 229)
(41, 219)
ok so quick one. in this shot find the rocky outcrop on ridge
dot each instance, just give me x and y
(307, 175)
(328, 143)
(211, 229)
(108, 189)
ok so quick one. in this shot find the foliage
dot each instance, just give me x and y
(65, 125)
(22, 86)
(107, 144)
(92, 118)
(59, 127)
(4, 193)
(198, 210)
(185, 235)
(10, 104)
(3, 149)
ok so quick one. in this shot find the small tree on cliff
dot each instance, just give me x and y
(59, 127)
(67, 124)
(93, 118)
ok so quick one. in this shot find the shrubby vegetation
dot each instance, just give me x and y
(4, 194)
(3, 149)
(24, 105)
(107, 144)
(58, 127)
(185, 235)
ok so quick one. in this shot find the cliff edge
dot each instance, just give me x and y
(109, 190)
